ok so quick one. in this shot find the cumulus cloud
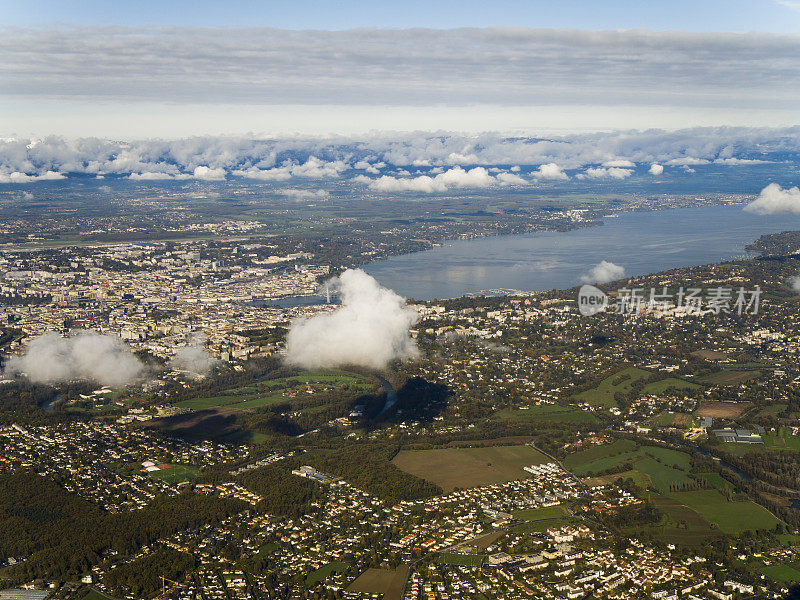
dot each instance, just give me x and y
(794, 283)
(155, 176)
(510, 179)
(550, 171)
(193, 357)
(620, 162)
(685, 161)
(51, 359)
(773, 199)
(298, 194)
(656, 169)
(457, 177)
(374, 169)
(741, 161)
(369, 329)
(18, 177)
(605, 173)
(313, 168)
(603, 272)
(24, 160)
(207, 174)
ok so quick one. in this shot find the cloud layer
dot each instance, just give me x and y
(51, 358)
(369, 329)
(499, 66)
(419, 161)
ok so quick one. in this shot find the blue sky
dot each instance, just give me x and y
(682, 15)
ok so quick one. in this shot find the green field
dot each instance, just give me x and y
(772, 409)
(539, 519)
(786, 574)
(788, 539)
(176, 474)
(273, 391)
(535, 514)
(267, 549)
(671, 419)
(730, 377)
(381, 581)
(326, 571)
(546, 412)
(731, 517)
(539, 526)
(782, 440)
(453, 468)
(230, 402)
(662, 466)
(679, 524)
(741, 449)
(641, 479)
(716, 480)
(593, 453)
(602, 395)
(468, 560)
(659, 387)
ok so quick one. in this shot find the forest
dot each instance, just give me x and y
(62, 536)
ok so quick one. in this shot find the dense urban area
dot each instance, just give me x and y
(651, 450)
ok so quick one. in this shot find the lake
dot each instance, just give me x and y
(641, 242)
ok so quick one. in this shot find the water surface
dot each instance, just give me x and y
(641, 242)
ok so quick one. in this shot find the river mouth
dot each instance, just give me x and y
(640, 242)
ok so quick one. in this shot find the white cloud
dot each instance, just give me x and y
(155, 176)
(193, 357)
(510, 179)
(411, 67)
(741, 161)
(298, 194)
(18, 177)
(550, 171)
(51, 358)
(603, 272)
(313, 168)
(794, 283)
(369, 329)
(773, 199)
(619, 162)
(685, 161)
(24, 160)
(457, 177)
(207, 174)
(655, 169)
(374, 169)
(264, 175)
(606, 173)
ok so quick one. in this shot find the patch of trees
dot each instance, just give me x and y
(421, 400)
(60, 535)
(142, 577)
(282, 493)
(633, 514)
(368, 466)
